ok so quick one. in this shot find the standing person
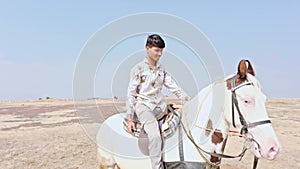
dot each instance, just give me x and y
(145, 96)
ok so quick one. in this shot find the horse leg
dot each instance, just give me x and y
(208, 166)
(107, 163)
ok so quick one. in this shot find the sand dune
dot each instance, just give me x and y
(53, 134)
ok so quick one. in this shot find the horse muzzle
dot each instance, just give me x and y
(267, 150)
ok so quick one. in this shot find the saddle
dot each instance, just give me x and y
(168, 123)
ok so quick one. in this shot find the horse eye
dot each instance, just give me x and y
(249, 102)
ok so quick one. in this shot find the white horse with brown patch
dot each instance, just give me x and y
(237, 103)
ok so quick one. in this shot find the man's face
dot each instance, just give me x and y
(154, 53)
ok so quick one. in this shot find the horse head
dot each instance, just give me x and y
(248, 113)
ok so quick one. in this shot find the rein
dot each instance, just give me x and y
(230, 133)
(200, 150)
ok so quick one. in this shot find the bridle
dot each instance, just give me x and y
(243, 122)
(235, 104)
(244, 130)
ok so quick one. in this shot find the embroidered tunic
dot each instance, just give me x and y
(146, 84)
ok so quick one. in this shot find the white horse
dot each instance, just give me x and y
(237, 103)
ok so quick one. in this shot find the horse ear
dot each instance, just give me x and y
(250, 68)
(243, 69)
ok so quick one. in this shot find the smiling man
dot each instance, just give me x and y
(145, 97)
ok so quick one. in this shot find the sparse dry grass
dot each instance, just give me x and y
(48, 134)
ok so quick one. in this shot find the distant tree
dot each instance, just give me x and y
(40, 99)
(47, 98)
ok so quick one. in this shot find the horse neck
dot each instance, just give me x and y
(214, 119)
(226, 113)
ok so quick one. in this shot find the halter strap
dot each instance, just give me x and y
(241, 117)
(249, 125)
(235, 102)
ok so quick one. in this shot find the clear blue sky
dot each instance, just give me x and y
(41, 40)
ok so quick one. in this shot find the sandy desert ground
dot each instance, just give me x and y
(52, 134)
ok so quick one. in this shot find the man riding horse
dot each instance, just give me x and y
(145, 97)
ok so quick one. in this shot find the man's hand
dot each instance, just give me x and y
(176, 106)
(130, 126)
